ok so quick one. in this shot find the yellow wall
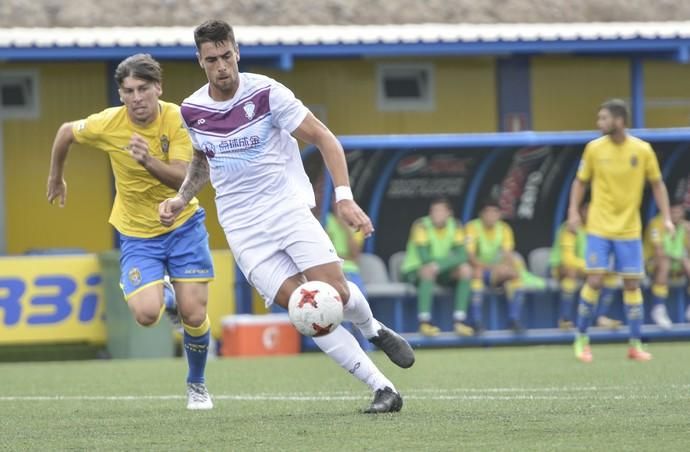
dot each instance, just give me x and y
(68, 91)
(667, 92)
(566, 91)
(465, 96)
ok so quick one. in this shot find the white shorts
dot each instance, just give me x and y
(271, 252)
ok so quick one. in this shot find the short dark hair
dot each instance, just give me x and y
(141, 66)
(214, 31)
(489, 201)
(617, 107)
(441, 200)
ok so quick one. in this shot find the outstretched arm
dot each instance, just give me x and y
(313, 131)
(57, 187)
(197, 177)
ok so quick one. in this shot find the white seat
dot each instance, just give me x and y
(538, 261)
(373, 271)
(394, 265)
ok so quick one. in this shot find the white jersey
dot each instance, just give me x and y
(255, 164)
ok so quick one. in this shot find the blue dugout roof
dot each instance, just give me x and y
(280, 45)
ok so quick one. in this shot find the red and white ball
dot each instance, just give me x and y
(315, 308)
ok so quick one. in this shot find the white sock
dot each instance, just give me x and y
(343, 348)
(358, 311)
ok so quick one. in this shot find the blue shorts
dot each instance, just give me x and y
(183, 253)
(627, 255)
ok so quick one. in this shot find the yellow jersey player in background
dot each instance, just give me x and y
(617, 166)
(666, 256)
(149, 152)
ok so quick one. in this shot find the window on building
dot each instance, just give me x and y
(18, 94)
(408, 86)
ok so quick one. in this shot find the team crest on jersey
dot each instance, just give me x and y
(134, 276)
(633, 161)
(249, 109)
(165, 144)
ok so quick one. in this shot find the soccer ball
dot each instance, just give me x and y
(315, 308)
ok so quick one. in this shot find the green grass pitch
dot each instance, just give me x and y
(521, 399)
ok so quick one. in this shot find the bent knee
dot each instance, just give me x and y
(194, 319)
(147, 319)
(465, 271)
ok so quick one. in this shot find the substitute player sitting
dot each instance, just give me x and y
(491, 246)
(436, 253)
(666, 256)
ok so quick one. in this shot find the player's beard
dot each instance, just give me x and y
(226, 86)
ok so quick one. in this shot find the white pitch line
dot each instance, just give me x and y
(329, 398)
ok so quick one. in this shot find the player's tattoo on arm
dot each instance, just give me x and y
(197, 177)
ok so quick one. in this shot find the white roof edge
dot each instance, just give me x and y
(347, 34)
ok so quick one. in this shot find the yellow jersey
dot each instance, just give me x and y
(655, 234)
(135, 209)
(618, 173)
(477, 234)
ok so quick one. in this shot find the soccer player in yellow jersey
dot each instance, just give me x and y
(491, 250)
(666, 256)
(149, 152)
(617, 166)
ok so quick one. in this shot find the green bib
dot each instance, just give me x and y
(440, 246)
(339, 236)
(674, 247)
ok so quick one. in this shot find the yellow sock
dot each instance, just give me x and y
(512, 286)
(632, 297)
(590, 295)
(477, 285)
(660, 290)
(568, 285)
(612, 281)
(200, 330)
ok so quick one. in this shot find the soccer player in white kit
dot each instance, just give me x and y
(242, 128)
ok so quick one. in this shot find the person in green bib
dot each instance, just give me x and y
(567, 262)
(348, 246)
(666, 257)
(436, 254)
(491, 248)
